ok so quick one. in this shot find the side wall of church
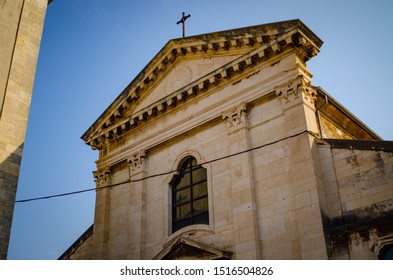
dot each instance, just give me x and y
(333, 130)
(359, 185)
(21, 23)
(81, 251)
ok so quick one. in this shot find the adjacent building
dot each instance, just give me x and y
(21, 23)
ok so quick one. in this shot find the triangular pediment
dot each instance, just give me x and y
(189, 66)
(183, 248)
(179, 76)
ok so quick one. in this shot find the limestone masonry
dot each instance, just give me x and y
(21, 23)
(221, 148)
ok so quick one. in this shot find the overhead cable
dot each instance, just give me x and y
(164, 173)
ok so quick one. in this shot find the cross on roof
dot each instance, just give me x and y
(183, 22)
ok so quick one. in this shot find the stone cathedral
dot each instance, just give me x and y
(222, 148)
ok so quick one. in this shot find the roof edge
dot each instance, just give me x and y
(346, 112)
(168, 49)
(88, 233)
(249, 29)
(371, 145)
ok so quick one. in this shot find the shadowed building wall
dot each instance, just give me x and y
(21, 23)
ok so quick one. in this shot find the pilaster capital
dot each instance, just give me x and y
(101, 176)
(236, 118)
(300, 87)
(137, 161)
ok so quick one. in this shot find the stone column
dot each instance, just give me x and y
(137, 212)
(101, 215)
(21, 23)
(245, 223)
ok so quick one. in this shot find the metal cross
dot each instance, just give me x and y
(183, 22)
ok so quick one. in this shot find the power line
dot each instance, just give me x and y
(164, 173)
(55, 195)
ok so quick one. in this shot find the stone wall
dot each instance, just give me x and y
(274, 191)
(262, 203)
(21, 23)
(81, 248)
(358, 178)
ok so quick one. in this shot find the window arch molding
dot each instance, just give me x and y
(381, 245)
(183, 156)
(178, 163)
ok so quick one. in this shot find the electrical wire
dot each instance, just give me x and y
(164, 173)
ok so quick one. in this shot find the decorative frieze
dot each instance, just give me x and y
(236, 118)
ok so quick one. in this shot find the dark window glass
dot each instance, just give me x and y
(189, 196)
(387, 253)
(199, 190)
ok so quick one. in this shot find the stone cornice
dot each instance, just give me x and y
(209, 114)
(259, 46)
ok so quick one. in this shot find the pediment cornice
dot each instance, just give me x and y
(255, 44)
(186, 248)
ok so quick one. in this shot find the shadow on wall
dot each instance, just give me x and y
(9, 174)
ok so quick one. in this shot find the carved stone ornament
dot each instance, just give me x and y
(236, 117)
(102, 175)
(296, 88)
(376, 242)
(137, 160)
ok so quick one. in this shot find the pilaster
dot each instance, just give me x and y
(245, 223)
(101, 216)
(297, 100)
(137, 215)
(298, 103)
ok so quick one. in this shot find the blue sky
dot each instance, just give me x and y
(91, 50)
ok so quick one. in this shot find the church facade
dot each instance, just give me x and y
(221, 148)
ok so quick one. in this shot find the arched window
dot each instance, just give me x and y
(189, 195)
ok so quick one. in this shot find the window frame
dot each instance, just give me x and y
(188, 168)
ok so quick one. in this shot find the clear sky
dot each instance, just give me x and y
(92, 49)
